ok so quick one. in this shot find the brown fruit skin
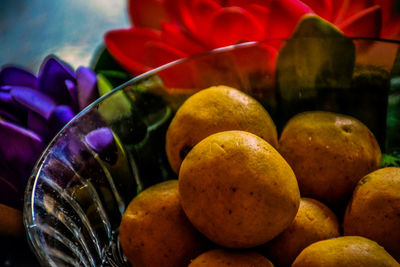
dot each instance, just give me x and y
(212, 110)
(345, 251)
(329, 154)
(314, 221)
(374, 210)
(11, 222)
(237, 190)
(154, 230)
(222, 258)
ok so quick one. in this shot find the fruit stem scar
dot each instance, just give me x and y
(217, 147)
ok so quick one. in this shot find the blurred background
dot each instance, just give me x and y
(71, 29)
(32, 29)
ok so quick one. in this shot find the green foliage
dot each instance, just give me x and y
(393, 118)
(390, 161)
(104, 64)
(317, 56)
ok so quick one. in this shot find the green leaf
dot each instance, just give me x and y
(393, 119)
(115, 107)
(390, 161)
(102, 60)
(103, 85)
(115, 74)
(317, 57)
(104, 63)
(315, 26)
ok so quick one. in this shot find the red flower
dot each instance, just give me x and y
(190, 27)
(166, 30)
(360, 18)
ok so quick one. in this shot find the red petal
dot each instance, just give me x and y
(180, 76)
(203, 11)
(322, 8)
(173, 35)
(258, 8)
(284, 18)
(204, 8)
(147, 13)
(366, 23)
(344, 9)
(261, 13)
(196, 16)
(233, 25)
(173, 8)
(257, 60)
(390, 11)
(128, 47)
(391, 30)
(159, 53)
(244, 3)
(390, 19)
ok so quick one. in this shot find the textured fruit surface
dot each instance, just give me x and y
(314, 221)
(329, 154)
(237, 189)
(155, 232)
(374, 210)
(347, 251)
(212, 110)
(222, 258)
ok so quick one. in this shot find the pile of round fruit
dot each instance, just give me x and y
(314, 197)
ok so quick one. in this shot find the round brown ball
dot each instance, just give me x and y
(374, 210)
(155, 231)
(314, 221)
(237, 189)
(212, 110)
(345, 251)
(223, 257)
(329, 154)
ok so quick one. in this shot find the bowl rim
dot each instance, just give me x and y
(29, 193)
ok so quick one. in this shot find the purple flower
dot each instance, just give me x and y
(32, 111)
(102, 142)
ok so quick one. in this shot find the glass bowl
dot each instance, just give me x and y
(113, 149)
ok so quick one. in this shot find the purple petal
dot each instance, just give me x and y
(15, 132)
(20, 148)
(33, 100)
(5, 88)
(100, 138)
(87, 86)
(7, 102)
(6, 98)
(73, 93)
(102, 141)
(61, 115)
(40, 126)
(52, 77)
(9, 117)
(9, 194)
(17, 76)
(11, 190)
